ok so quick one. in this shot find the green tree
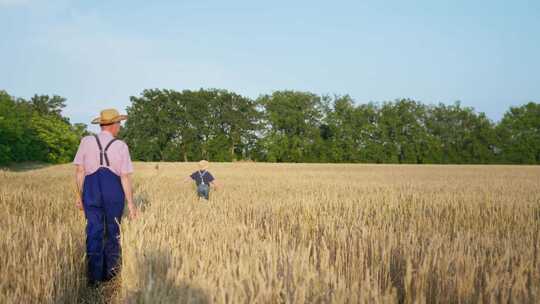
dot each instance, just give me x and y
(464, 135)
(190, 125)
(340, 130)
(35, 130)
(13, 127)
(150, 127)
(371, 148)
(292, 121)
(404, 136)
(80, 130)
(234, 122)
(58, 138)
(519, 135)
(47, 105)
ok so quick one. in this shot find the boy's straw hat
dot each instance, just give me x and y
(203, 165)
(109, 116)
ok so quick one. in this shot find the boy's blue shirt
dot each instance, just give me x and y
(207, 177)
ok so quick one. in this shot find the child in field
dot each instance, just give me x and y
(203, 179)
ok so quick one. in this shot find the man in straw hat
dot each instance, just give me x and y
(103, 169)
(203, 179)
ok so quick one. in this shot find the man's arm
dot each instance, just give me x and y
(79, 181)
(125, 178)
(126, 185)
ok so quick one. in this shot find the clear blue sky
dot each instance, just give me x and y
(98, 53)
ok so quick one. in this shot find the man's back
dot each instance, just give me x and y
(117, 154)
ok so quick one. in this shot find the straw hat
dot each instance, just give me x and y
(203, 165)
(109, 116)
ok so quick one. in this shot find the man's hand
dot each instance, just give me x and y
(79, 182)
(126, 185)
(133, 211)
(78, 203)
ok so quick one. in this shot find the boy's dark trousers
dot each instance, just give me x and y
(103, 202)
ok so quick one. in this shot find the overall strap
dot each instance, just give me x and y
(100, 150)
(103, 153)
(107, 148)
(201, 175)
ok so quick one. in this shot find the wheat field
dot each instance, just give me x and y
(285, 233)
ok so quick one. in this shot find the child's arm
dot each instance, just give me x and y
(216, 184)
(186, 179)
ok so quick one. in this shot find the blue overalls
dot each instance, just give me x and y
(103, 201)
(203, 189)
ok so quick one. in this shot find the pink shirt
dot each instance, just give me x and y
(118, 154)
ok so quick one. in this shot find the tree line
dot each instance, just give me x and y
(292, 126)
(285, 126)
(35, 130)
